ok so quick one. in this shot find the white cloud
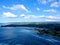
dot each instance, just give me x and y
(55, 4)
(22, 15)
(9, 14)
(48, 20)
(50, 10)
(52, 18)
(50, 0)
(29, 16)
(45, 17)
(17, 7)
(41, 16)
(42, 1)
(38, 9)
(32, 16)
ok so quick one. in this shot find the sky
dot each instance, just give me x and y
(29, 11)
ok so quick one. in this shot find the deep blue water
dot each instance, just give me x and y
(25, 36)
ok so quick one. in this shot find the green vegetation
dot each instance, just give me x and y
(48, 32)
(52, 33)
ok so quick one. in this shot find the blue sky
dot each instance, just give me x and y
(29, 10)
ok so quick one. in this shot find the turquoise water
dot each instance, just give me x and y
(25, 36)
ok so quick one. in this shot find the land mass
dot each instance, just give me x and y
(53, 27)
